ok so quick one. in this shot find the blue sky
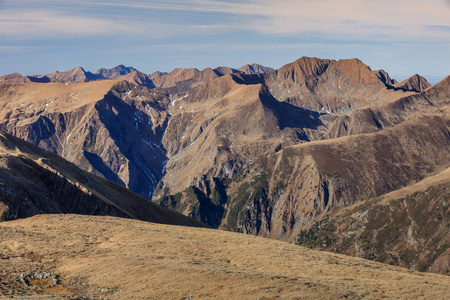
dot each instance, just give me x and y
(403, 37)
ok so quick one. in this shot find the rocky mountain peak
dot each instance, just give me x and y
(114, 72)
(255, 69)
(415, 83)
(384, 76)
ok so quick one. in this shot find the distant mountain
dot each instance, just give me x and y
(323, 116)
(75, 75)
(16, 78)
(384, 77)
(269, 154)
(138, 78)
(415, 83)
(255, 69)
(34, 181)
(157, 74)
(181, 80)
(115, 72)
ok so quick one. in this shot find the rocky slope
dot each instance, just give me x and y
(16, 78)
(115, 72)
(34, 181)
(268, 154)
(246, 118)
(112, 258)
(138, 78)
(255, 69)
(181, 80)
(248, 162)
(408, 228)
(75, 75)
(113, 129)
(414, 83)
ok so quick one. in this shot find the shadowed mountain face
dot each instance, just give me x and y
(251, 162)
(268, 154)
(255, 69)
(415, 83)
(76, 75)
(34, 181)
(100, 126)
(115, 72)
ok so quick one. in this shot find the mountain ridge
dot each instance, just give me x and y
(34, 181)
(269, 154)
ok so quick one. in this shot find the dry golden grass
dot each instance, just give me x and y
(35, 98)
(112, 258)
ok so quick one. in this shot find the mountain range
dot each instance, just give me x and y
(296, 154)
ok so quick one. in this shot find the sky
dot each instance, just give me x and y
(403, 37)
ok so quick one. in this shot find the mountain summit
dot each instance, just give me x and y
(272, 154)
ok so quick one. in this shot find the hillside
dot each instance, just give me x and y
(34, 181)
(113, 258)
(407, 227)
(269, 154)
(111, 128)
(235, 125)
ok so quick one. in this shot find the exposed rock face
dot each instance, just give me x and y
(113, 129)
(327, 85)
(34, 181)
(255, 69)
(406, 228)
(268, 154)
(219, 127)
(75, 75)
(181, 80)
(415, 83)
(115, 72)
(225, 171)
(138, 78)
(235, 119)
(16, 78)
(384, 77)
(157, 74)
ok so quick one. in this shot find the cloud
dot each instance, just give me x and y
(15, 48)
(326, 19)
(44, 24)
(41, 24)
(352, 19)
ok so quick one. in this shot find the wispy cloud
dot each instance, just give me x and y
(325, 19)
(44, 24)
(15, 48)
(22, 24)
(352, 18)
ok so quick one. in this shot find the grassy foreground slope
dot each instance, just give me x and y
(113, 258)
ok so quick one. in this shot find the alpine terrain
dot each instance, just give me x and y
(323, 153)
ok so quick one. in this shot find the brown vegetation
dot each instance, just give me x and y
(112, 258)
